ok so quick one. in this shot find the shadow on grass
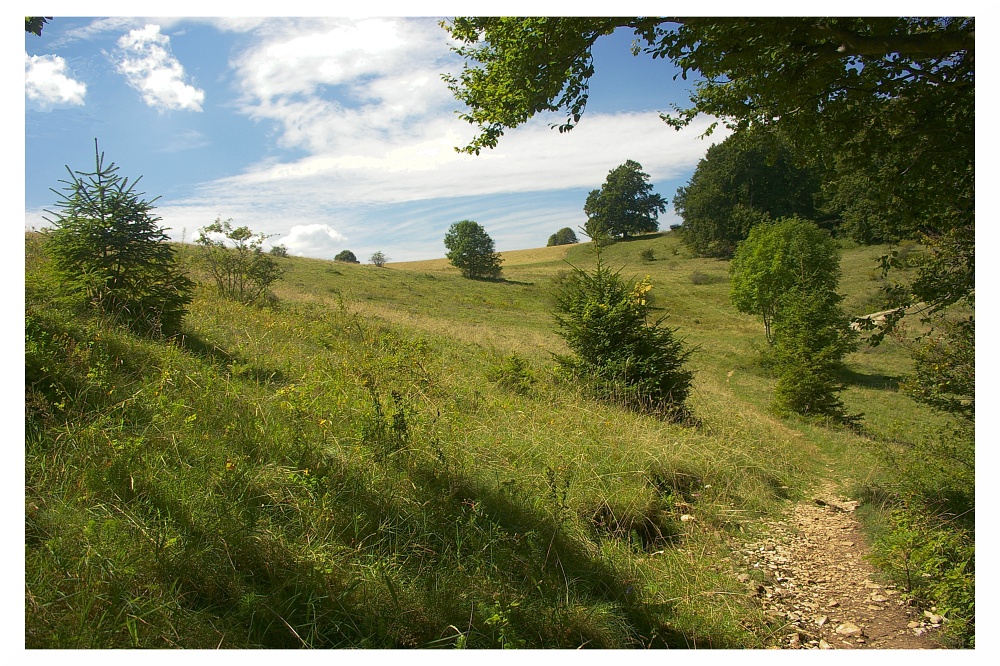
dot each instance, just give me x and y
(550, 565)
(459, 560)
(641, 237)
(875, 381)
(502, 280)
(229, 364)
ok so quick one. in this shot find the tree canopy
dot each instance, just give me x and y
(889, 101)
(749, 178)
(625, 205)
(347, 257)
(471, 250)
(777, 257)
(34, 24)
(564, 236)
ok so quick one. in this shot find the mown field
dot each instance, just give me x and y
(386, 457)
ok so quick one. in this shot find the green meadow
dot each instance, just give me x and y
(387, 458)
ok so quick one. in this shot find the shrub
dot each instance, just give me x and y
(243, 272)
(811, 337)
(108, 247)
(616, 349)
(279, 251)
(347, 257)
(936, 564)
(944, 374)
(647, 254)
(512, 373)
(378, 259)
(470, 249)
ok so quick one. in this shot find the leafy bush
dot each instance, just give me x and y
(945, 370)
(279, 251)
(243, 272)
(471, 250)
(378, 259)
(109, 248)
(512, 373)
(647, 254)
(811, 337)
(936, 564)
(347, 257)
(617, 350)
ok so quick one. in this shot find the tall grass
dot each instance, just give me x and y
(357, 465)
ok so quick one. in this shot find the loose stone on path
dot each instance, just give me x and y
(812, 575)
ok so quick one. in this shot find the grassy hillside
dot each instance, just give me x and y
(384, 457)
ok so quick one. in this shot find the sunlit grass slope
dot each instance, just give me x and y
(384, 457)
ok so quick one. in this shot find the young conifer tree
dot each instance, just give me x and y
(109, 247)
(617, 350)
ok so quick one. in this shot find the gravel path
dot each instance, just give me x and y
(818, 582)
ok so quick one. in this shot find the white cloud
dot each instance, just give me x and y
(47, 81)
(144, 58)
(313, 240)
(364, 99)
(530, 159)
(327, 83)
(93, 29)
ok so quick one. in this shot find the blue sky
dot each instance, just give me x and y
(332, 133)
(328, 133)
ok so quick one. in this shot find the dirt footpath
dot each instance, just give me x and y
(818, 582)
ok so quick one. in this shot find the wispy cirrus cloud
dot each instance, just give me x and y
(365, 101)
(96, 28)
(185, 140)
(47, 82)
(144, 58)
(530, 159)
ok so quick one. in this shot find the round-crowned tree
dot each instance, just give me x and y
(564, 236)
(625, 205)
(347, 257)
(471, 250)
(776, 258)
(747, 180)
(786, 272)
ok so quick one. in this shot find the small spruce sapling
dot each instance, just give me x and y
(109, 247)
(624, 356)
